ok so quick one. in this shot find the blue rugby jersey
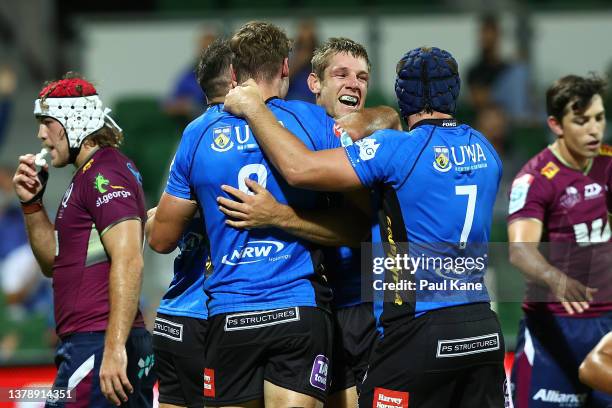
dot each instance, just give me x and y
(439, 183)
(185, 295)
(260, 268)
(343, 266)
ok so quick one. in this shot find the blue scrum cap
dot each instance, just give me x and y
(427, 79)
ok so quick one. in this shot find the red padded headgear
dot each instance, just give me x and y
(68, 88)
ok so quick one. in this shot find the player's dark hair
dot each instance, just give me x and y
(213, 69)
(336, 45)
(259, 50)
(575, 91)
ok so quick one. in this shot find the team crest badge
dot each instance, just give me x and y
(442, 159)
(221, 139)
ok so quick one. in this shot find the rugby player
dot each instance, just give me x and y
(439, 348)
(563, 196)
(267, 292)
(339, 81)
(93, 251)
(180, 326)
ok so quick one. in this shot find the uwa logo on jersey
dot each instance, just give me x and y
(256, 251)
(222, 141)
(463, 158)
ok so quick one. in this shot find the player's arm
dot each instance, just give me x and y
(171, 217)
(367, 121)
(39, 228)
(123, 244)
(596, 369)
(524, 235)
(343, 226)
(327, 170)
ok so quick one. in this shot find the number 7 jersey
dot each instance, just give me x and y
(438, 183)
(254, 269)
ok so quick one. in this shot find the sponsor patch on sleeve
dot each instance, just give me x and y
(367, 148)
(519, 191)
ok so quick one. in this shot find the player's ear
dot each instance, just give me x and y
(555, 126)
(285, 70)
(313, 83)
(233, 74)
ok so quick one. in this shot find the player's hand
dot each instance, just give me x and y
(354, 125)
(244, 99)
(573, 295)
(258, 210)
(25, 181)
(114, 383)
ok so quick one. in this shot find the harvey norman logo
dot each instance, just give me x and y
(255, 251)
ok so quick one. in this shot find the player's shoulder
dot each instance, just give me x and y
(213, 114)
(544, 166)
(109, 160)
(300, 108)
(605, 153)
(390, 133)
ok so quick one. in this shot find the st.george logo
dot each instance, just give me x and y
(442, 159)
(221, 139)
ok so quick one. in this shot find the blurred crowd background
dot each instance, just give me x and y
(141, 56)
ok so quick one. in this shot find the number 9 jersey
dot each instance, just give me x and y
(261, 268)
(438, 183)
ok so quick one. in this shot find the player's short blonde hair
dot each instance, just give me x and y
(336, 45)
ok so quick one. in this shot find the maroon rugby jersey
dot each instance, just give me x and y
(104, 191)
(573, 205)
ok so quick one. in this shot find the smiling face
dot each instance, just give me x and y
(581, 132)
(53, 137)
(344, 85)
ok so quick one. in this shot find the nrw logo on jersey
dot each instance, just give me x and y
(255, 251)
(221, 139)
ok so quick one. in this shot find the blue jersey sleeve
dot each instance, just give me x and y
(386, 156)
(178, 180)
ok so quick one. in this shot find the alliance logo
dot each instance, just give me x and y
(567, 400)
(255, 251)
